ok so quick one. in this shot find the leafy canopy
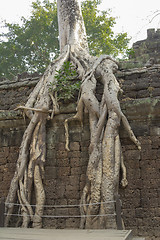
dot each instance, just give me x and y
(26, 46)
(99, 26)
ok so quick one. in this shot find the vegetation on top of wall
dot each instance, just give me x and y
(26, 47)
(66, 82)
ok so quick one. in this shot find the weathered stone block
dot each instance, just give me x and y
(61, 211)
(75, 136)
(63, 171)
(72, 194)
(73, 180)
(76, 171)
(72, 187)
(74, 154)
(51, 154)
(3, 160)
(51, 161)
(61, 154)
(63, 162)
(72, 223)
(155, 142)
(60, 146)
(61, 223)
(51, 172)
(60, 190)
(61, 202)
(75, 162)
(85, 145)
(155, 131)
(74, 146)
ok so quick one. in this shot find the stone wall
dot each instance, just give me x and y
(65, 171)
(141, 199)
(15, 92)
(148, 48)
(145, 52)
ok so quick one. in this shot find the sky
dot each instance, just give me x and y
(132, 16)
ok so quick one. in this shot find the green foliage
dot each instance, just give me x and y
(131, 53)
(99, 28)
(66, 82)
(26, 46)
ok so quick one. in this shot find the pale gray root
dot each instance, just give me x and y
(111, 149)
(33, 109)
(111, 89)
(124, 181)
(105, 154)
(111, 164)
(26, 210)
(20, 168)
(30, 164)
(40, 198)
(94, 175)
(23, 211)
(79, 55)
(39, 174)
(55, 109)
(45, 80)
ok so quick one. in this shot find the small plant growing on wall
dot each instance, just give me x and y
(66, 82)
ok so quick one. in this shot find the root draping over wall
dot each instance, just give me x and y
(105, 116)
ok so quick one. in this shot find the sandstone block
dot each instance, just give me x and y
(74, 146)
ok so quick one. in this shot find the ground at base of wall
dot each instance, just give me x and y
(138, 238)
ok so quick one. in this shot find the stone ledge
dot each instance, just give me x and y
(142, 109)
(139, 70)
(126, 69)
(16, 84)
(9, 115)
(135, 109)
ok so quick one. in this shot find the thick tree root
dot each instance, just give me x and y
(29, 172)
(105, 154)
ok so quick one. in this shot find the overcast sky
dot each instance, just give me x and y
(133, 16)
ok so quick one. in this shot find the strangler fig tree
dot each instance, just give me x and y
(105, 116)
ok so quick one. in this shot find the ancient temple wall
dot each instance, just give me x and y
(65, 171)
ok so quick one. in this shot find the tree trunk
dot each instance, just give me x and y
(71, 24)
(105, 155)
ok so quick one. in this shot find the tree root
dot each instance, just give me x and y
(30, 165)
(105, 154)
